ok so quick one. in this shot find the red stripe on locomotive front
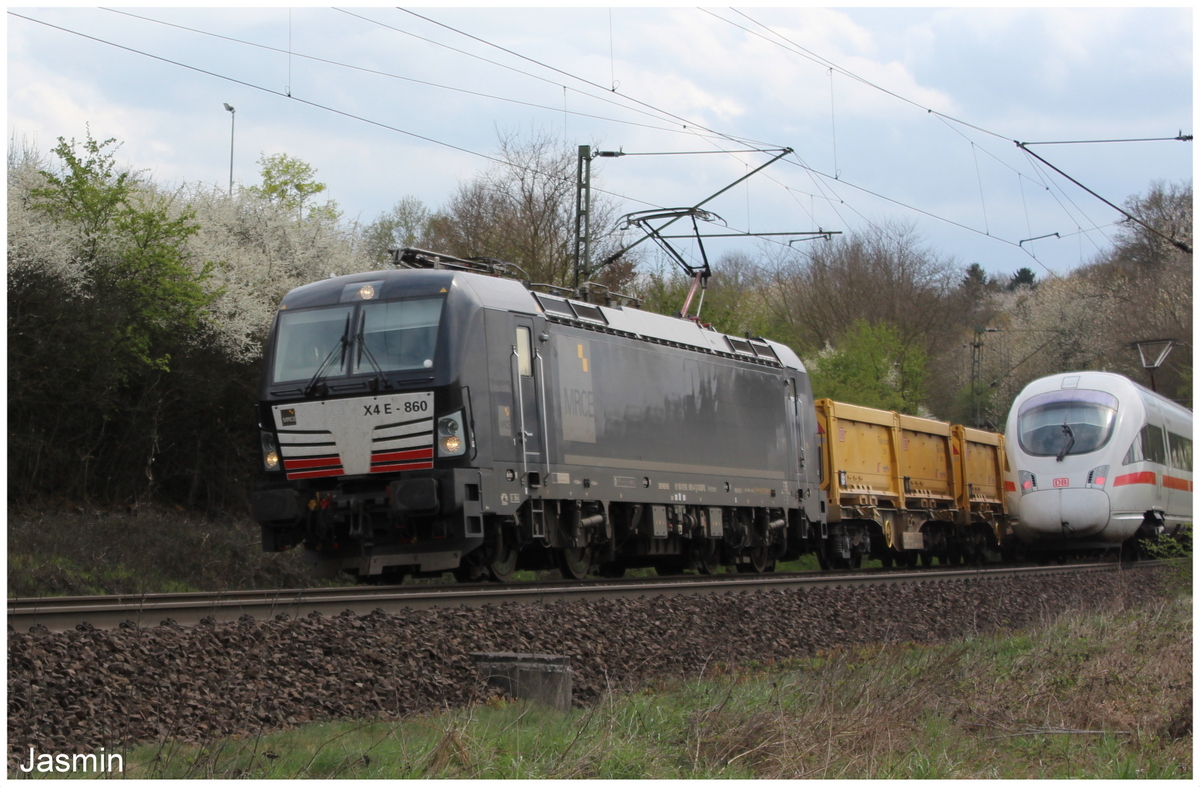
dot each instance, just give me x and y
(403, 456)
(316, 473)
(397, 468)
(1170, 482)
(304, 464)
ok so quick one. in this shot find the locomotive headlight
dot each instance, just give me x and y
(1097, 477)
(451, 434)
(270, 451)
(1026, 481)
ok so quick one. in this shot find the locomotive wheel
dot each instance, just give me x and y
(575, 562)
(760, 562)
(708, 557)
(502, 562)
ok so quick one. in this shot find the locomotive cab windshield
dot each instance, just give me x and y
(347, 340)
(1066, 422)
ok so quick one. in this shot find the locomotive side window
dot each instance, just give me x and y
(1066, 422)
(1148, 446)
(524, 352)
(398, 335)
(308, 339)
(1181, 451)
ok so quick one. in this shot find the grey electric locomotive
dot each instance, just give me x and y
(428, 419)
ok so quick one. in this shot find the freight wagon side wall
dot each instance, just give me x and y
(927, 461)
(983, 466)
(859, 452)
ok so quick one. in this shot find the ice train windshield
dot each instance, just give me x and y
(1066, 422)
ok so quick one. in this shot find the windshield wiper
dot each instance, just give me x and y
(1066, 430)
(380, 378)
(339, 348)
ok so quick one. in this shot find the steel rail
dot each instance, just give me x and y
(64, 613)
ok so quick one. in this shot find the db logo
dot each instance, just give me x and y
(1061, 482)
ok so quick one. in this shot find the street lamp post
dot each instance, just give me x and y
(232, 119)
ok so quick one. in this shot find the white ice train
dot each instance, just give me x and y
(1097, 460)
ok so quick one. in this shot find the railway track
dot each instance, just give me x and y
(63, 613)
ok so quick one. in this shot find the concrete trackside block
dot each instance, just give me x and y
(529, 676)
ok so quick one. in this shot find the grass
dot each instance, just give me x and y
(77, 552)
(1102, 695)
(155, 550)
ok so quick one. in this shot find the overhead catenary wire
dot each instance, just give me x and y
(691, 124)
(834, 200)
(389, 75)
(797, 49)
(313, 104)
(825, 62)
(496, 63)
(317, 105)
(447, 87)
(584, 80)
(1173, 241)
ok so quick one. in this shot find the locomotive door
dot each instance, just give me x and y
(795, 430)
(528, 375)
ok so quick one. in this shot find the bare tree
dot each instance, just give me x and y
(405, 225)
(1089, 319)
(882, 275)
(523, 211)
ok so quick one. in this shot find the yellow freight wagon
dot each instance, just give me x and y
(901, 488)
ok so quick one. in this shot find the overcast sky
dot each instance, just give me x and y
(895, 115)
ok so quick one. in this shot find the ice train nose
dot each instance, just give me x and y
(1054, 513)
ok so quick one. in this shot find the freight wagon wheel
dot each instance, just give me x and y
(926, 559)
(885, 560)
(838, 563)
(575, 562)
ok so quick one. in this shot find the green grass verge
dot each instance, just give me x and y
(1104, 695)
(155, 550)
